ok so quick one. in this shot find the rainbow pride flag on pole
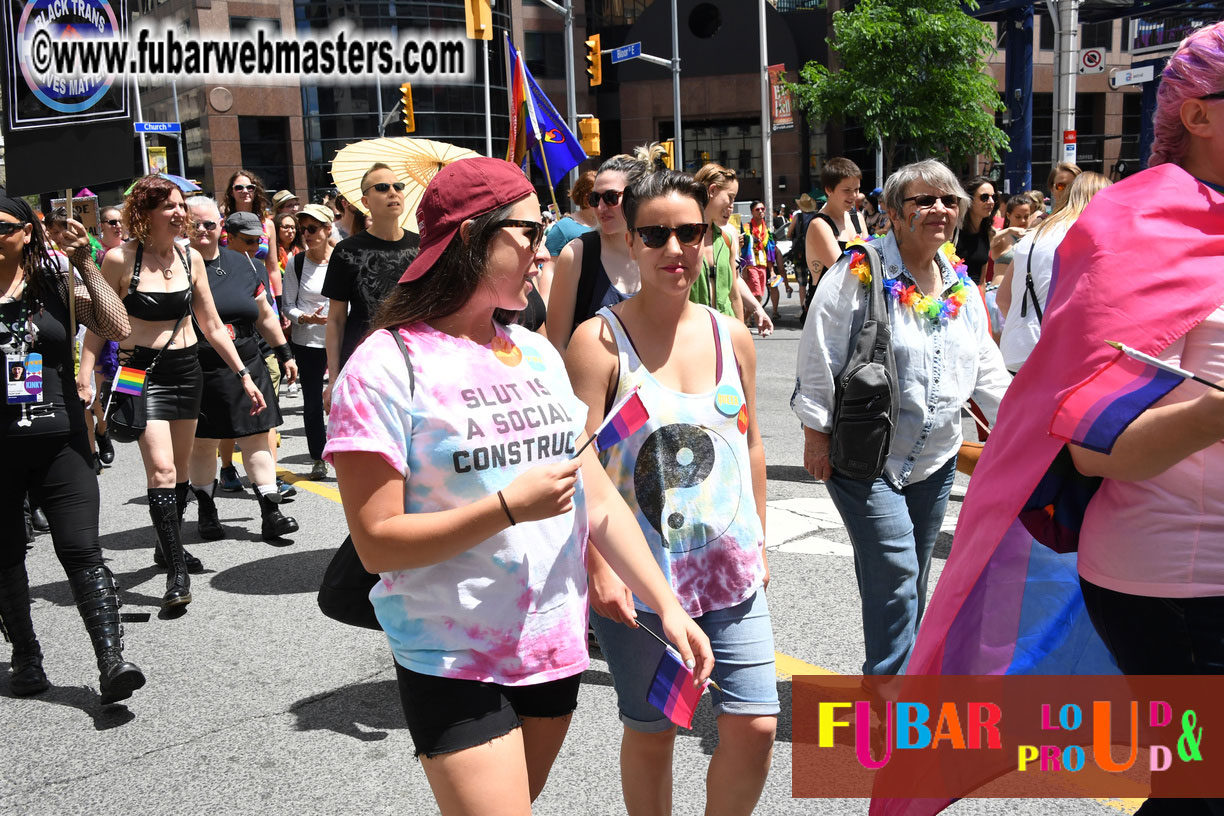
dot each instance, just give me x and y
(672, 690)
(129, 381)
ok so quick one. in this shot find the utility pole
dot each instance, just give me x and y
(766, 123)
(144, 151)
(675, 66)
(178, 137)
(1064, 16)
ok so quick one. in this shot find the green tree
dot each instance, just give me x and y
(913, 72)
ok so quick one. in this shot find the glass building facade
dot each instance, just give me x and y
(338, 115)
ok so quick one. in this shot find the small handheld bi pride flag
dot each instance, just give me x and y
(672, 690)
(624, 419)
(129, 381)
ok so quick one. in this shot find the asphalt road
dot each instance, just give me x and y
(256, 703)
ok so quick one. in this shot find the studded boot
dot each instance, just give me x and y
(209, 524)
(275, 523)
(194, 565)
(97, 599)
(18, 629)
(164, 512)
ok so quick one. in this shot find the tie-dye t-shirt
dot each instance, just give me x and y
(687, 478)
(512, 609)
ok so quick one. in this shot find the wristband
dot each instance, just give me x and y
(243, 372)
(283, 353)
(506, 507)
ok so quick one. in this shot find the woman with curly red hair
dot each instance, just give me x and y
(161, 286)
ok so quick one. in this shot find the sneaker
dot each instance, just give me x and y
(286, 490)
(292, 390)
(318, 471)
(229, 481)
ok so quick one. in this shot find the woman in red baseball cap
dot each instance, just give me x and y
(453, 433)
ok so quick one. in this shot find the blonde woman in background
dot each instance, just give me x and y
(1022, 304)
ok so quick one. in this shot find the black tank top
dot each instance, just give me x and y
(157, 306)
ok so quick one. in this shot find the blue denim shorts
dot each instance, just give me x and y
(742, 640)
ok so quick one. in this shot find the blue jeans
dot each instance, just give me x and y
(893, 533)
(742, 640)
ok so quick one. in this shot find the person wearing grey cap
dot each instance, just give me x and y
(306, 307)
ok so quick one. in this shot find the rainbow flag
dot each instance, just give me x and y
(672, 690)
(129, 381)
(625, 419)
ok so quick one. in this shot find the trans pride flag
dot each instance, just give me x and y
(1008, 601)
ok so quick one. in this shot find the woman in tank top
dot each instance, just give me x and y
(695, 478)
(596, 269)
(162, 286)
(837, 222)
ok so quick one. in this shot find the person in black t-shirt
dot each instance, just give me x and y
(364, 268)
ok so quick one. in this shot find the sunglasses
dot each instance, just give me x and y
(246, 239)
(244, 188)
(686, 234)
(9, 227)
(207, 226)
(925, 202)
(384, 186)
(112, 222)
(1060, 186)
(1216, 95)
(984, 197)
(609, 197)
(535, 230)
(311, 229)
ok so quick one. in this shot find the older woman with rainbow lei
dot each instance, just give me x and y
(944, 356)
(1141, 450)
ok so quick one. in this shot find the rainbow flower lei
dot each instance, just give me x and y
(937, 311)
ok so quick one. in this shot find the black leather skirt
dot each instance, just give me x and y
(173, 386)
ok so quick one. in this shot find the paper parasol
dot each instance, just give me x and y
(414, 162)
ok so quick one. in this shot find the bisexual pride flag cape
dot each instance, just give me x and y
(1140, 266)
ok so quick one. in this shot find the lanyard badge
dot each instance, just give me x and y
(24, 378)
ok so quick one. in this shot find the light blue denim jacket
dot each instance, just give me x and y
(939, 366)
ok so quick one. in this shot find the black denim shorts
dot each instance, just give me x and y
(446, 714)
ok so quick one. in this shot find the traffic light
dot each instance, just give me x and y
(479, 17)
(670, 147)
(588, 130)
(595, 60)
(406, 102)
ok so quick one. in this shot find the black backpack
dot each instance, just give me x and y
(865, 397)
(799, 242)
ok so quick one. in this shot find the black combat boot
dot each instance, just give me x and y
(275, 524)
(164, 512)
(209, 524)
(97, 600)
(194, 565)
(18, 629)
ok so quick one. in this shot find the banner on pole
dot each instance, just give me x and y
(783, 112)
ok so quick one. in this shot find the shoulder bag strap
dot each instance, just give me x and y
(299, 263)
(136, 271)
(858, 225)
(399, 341)
(1029, 290)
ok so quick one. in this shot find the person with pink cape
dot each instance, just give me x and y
(1101, 481)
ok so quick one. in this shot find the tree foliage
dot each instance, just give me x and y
(913, 72)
